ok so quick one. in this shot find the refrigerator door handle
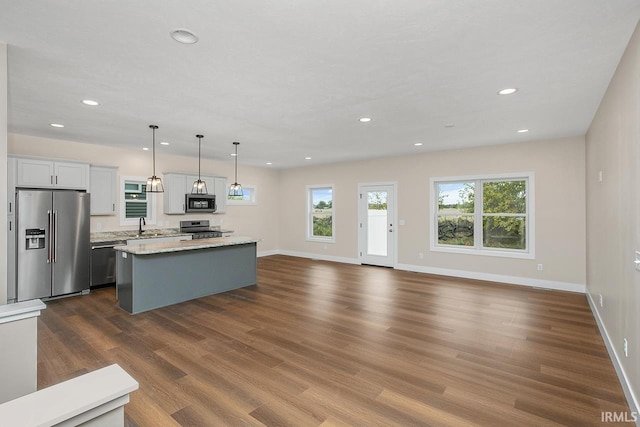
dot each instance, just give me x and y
(50, 239)
(55, 235)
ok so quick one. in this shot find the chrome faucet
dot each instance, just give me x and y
(141, 222)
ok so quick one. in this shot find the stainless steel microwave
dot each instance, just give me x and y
(200, 202)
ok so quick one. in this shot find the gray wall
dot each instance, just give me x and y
(613, 212)
(3, 175)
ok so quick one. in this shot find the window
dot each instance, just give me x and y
(136, 202)
(249, 197)
(320, 213)
(484, 215)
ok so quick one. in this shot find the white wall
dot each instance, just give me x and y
(260, 221)
(613, 212)
(558, 166)
(3, 175)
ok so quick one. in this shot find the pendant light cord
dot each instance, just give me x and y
(154, 127)
(199, 144)
(236, 144)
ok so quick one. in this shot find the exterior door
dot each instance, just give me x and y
(377, 224)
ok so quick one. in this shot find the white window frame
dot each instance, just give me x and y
(251, 202)
(477, 248)
(151, 203)
(310, 237)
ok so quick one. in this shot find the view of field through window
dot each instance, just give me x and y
(502, 211)
(322, 212)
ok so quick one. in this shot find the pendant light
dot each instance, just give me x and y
(199, 186)
(235, 190)
(154, 183)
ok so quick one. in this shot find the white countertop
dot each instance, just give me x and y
(185, 245)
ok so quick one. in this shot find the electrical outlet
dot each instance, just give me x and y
(626, 348)
(540, 267)
(601, 300)
(420, 255)
(401, 222)
(600, 176)
(637, 260)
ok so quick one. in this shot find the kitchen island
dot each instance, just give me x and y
(155, 275)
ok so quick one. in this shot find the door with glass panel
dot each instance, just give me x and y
(376, 224)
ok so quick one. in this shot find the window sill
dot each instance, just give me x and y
(237, 203)
(321, 240)
(484, 252)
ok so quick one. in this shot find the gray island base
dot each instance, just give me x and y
(160, 274)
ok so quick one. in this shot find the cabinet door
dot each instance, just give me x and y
(103, 190)
(71, 175)
(221, 192)
(174, 192)
(35, 173)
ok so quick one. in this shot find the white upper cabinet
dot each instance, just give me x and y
(71, 175)
(221, 191)
(52, 174)
(177, 185)
(174, 192)
(104, 190)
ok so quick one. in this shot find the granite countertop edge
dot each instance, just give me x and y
(185, 245)
(123, 235)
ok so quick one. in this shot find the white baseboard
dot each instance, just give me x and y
(632, 400)
(513, 280)
(268, 253)
(321, 257)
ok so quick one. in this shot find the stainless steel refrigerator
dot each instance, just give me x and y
(53, 249)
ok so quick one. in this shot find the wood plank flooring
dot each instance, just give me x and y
(324, 344)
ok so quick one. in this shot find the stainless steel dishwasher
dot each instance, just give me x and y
(103, 263)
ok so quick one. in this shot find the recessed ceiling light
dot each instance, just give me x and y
(269, 163)
(145, 148)
(523, 130)
(418, 144)
(307, 158)
(182, 35)
(56, 125)
(508, 91)
(365, 119)
(233, 154)
(449, 125)
(164, 143)
(90, 102)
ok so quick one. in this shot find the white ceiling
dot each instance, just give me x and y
(291, 78)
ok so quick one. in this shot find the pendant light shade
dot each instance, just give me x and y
(235, 189)
(154, 183)
(199, 186)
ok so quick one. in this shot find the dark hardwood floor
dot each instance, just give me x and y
(319, 343)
